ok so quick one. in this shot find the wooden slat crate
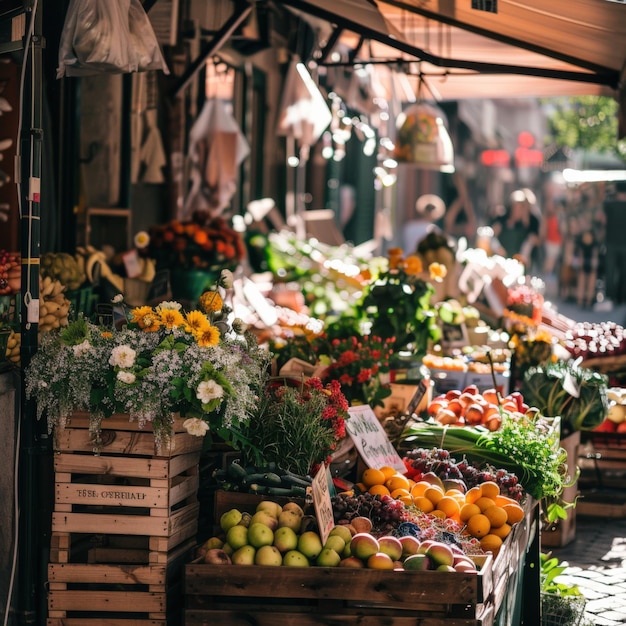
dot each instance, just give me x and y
(232, 595)
(123, 527)
(602, 461)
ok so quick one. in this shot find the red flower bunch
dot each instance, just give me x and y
(524, 301)
(209, 244)
(357, 363)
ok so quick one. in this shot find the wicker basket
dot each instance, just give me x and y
(562, 610)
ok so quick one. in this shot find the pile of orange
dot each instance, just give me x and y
(483, 511)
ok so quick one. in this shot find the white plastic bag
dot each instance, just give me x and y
(112, 36)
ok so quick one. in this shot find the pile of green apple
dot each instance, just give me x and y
(283, 535)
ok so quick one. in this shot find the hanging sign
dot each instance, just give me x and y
(370, 439)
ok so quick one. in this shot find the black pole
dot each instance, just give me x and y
(31, 141)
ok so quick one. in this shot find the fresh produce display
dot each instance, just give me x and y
(615, 421)
(283, 535)
(268, 480)
(595, 339)
(524, 445)
(63, 267)
(14, 344)
(577, 394)
(472, 408)
(10, 272)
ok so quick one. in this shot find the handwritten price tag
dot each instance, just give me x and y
(370, 439)
(322, 503)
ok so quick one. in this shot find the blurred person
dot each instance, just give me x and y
(517, 230)
(552, 235)
(586, 257)
(568, 269)
(429, 208)
(460, 218)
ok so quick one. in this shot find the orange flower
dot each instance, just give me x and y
(207, 336)
(211, 302)
(196, 322)
(146, 319)
(413, 265)
(438, 272)
(170, 318)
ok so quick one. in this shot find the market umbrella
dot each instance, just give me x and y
(216, 149)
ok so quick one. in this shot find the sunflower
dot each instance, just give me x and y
(195, 322)
(171, 318)
(207, 336)
(146, 319)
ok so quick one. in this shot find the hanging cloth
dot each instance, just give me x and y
(217, 148)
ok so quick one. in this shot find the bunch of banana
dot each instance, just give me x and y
(53, 305)
(63, 267)
(14, 344)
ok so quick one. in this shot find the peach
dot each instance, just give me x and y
(364, 545)
(380, 560)
(440, 554)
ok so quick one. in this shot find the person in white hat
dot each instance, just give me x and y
(429, 209)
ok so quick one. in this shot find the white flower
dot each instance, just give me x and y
(226, 279)
(209, 390)
(195, 426)
(141, 239)
(118, 299)
(126, 377)
(122, 356)
(82, 348)
(174, 306)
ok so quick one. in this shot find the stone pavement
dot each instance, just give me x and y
(596, 562)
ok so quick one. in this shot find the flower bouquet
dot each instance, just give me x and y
(161, 363)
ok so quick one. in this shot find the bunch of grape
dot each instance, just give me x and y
(441, 463)
(385, 512)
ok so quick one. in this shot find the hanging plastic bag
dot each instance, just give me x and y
(111, 36)
(144, 41)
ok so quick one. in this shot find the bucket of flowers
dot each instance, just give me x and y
(159, 365)
(195, 252)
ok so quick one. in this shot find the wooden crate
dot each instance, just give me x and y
(123, 527)
(602, 461)
(235, 595)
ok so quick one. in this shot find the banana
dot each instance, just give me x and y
(115, 279)
(95, 257)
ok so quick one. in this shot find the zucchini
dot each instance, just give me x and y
(236, 472)
(269, 479)
(293, 491)
(258, 489)
(291, 480)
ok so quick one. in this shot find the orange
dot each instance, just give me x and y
(473, 494)
(388, 471)
(490, 489)
(515, 513)
(378, 490)
(478, 525)
(501, 531)
(372, 477)
(491, 543)
(455, 493)
(502, 500)
(434, 494)
(398, 493)
(484, 503)
(423, 504)
(496, 516)
(406, 500)
(449, 506)
(468, 510)
(438, 513)
(362, 487)
(398, 481)
(419, 488)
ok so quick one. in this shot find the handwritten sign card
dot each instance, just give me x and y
(370, 439)
(322, 503)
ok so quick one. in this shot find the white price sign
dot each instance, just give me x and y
(371, 440)
(322, 503)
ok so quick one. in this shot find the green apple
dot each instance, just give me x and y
(237, 536)
(260, 535)
(269, 506)
(328, 558)
(244, 556)
(336, 543)
(310, 544)
(290, 519)
(343, 531)
(293, 558)
(230, 518)
(285, 539)
(268, 555)
(263, 517)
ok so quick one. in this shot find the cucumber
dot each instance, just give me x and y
(258, 489)
(293, 480)
(269, 479)
(293, 491)
(236, 472)
(306, 478)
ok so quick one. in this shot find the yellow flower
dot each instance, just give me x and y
(146, 319)
(438, 272)
(208, 336)
(211, 302)
(171, 318)
(195, 322)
